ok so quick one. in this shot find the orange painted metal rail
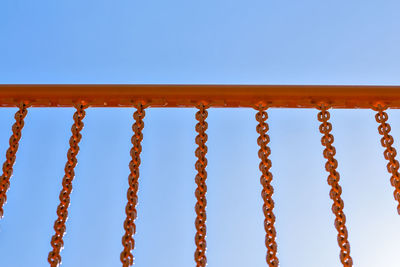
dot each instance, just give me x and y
(259, 97)
(157, 95)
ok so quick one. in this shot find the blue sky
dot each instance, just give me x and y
(252, 42)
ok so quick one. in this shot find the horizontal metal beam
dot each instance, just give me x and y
(171, 95)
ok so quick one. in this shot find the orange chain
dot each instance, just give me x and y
(268, 190)
(129, 225)
(333, 180)
(390, 152)
(201, 190)
(11, 154)
(57, 242)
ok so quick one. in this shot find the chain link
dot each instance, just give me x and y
(268, 190)
(11, 154)
(57, 242)
(201, 190)
(390, 152)
(128, 241)
(333, 180)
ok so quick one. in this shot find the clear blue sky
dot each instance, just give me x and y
(253, 42)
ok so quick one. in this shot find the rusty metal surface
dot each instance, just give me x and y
(11, 154)
(267, 189)
(128, 241)
(181, 95)
(333, 180)
(54, 257)
(201, 190)
(390, 152)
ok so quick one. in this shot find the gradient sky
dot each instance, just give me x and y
(219, 41)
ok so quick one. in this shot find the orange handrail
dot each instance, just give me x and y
(180, 95)
(259, 97)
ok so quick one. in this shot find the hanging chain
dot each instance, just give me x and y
(11, 154)
(201, 190)
(333, 180)
(57, 242)
(268, 190)
(128, 241)
(390, 152)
